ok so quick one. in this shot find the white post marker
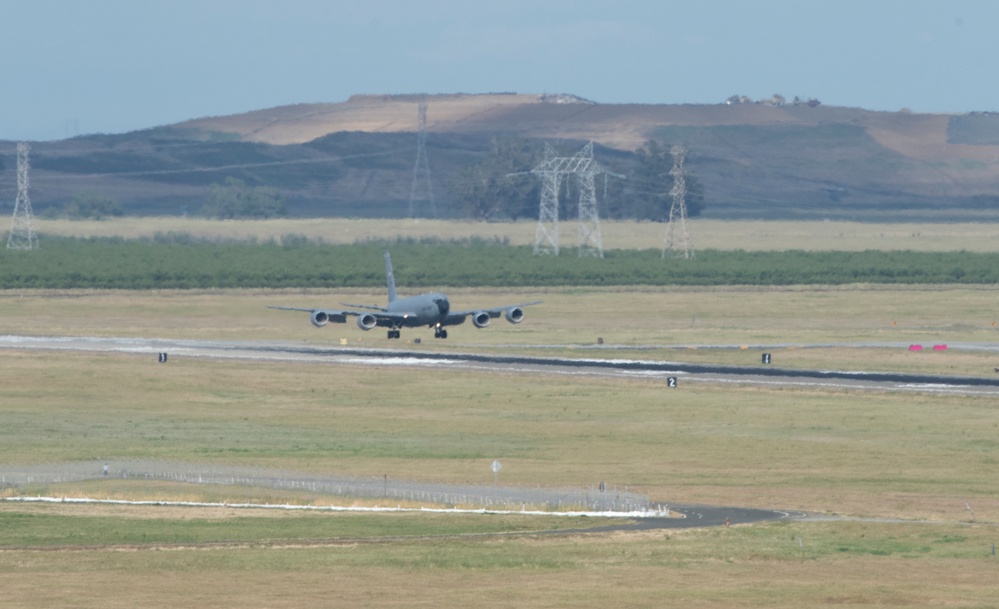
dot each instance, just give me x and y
(496, 467)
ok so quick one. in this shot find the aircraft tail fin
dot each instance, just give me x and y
(389, 277)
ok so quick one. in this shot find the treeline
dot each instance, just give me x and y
(179, 262)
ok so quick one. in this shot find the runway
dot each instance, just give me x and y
(672, 374)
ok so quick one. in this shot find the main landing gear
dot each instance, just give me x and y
(438, 333)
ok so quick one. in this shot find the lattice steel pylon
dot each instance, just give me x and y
(678, 210)
(552, 169)
(22, 235)
(546, 235)
(590, 240)
(421, 189)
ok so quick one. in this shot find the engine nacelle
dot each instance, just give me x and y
(515, 315)
(320, 318)
(366, 321)
(481, 319)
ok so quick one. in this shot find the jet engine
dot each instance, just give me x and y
(366, 321)
(481, 319)
(515, 315)
(320, 318)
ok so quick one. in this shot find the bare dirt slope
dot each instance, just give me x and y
(301, 123)
(623, 126)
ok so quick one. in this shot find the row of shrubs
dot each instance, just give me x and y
(62, 263)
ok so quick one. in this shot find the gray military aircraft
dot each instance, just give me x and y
(432, 310)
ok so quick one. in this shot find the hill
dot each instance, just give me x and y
(356, 158)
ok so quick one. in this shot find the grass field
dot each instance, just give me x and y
(709, 234)
(861, 565)
(916, 474)
(795, 449)
(904, 456)
(663, 324)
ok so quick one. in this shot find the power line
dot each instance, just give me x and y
(59, 175)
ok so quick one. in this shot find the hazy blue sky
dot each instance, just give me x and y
(111, 66)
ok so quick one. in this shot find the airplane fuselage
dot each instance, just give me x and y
(423, 310)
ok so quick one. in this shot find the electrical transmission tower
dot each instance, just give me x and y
(421, 189)
(678, 210)
(590, 241)
(552, 169)
(22, 235)
(546, 236)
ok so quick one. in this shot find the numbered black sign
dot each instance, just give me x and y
(671, 382)
(766, 358)
(163, 358)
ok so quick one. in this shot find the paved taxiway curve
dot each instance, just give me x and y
(683, 372)
(705, 516)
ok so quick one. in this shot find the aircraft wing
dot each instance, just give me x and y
(360, 306)
(514, 313)
(335, 315)
(321, 317)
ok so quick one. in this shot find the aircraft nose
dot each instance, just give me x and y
(442, 305)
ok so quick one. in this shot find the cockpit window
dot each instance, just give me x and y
(442, 305)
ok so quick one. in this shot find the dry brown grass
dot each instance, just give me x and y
(641, 323)
(907, 455)
(699, 569)
(370, 113)
(795, 448)
(706, 234)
